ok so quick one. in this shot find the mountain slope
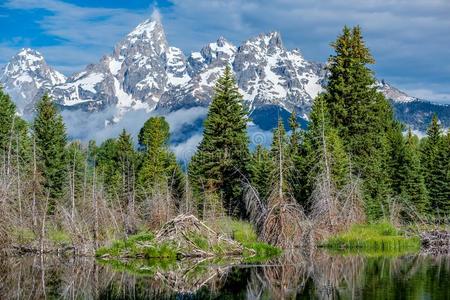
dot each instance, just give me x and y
(145, 73)
(26, 73)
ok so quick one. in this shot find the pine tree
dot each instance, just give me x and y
(361, 115)
(107, 166)
(262, 168)
(7, 115)
(280, 158)
(412, 183)
(322, 140)
(50, 138)
(434, 162)
(294, 176)
(126, 161)
(14, 139)
(76, 167)
(223, 155)
(159, 166)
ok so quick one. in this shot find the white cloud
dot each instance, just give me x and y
(430, 95)
(85, 33)
(184, 151)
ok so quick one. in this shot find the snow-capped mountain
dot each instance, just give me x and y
(145, 72)
(25, 74)
(141, 68)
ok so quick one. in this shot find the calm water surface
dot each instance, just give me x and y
(319, 276)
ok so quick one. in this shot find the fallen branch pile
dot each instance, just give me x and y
(436, 242)
(192, 238)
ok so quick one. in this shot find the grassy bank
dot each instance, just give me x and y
(377, 237)
(143, 245)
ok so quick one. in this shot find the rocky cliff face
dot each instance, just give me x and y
(25, 74)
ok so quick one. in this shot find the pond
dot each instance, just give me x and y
(319, 276)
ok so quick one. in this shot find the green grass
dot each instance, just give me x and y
(58, 236)
(377, 237)
(244, 233)
(138, 246)
(23, 235)
(141, 245)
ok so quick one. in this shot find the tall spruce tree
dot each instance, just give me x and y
(14, 139)
(50, 138)
(223, 155)
(361, 115)
(435, 164)
(321, 139)
(159, 166)
(294, 176)
(262, 168)
(281, 159)
(126, 159)
(411, 181)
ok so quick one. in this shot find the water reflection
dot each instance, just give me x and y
(319, 275)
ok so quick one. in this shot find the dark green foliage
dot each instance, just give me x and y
(126, 158)
(435, 163)
(361, 115)
(223, 156)
(159, 166)
(7, 115)
(262, 167)
(321, 141)
(105, 159)
(14, 139)
(294, 177)
(50, 138)
(281, 159)
(76, 169)
(411, 182)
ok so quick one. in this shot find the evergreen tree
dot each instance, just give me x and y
(321, 139)
(14, 139)
(223, 155)
(7, 115)
(435, 164)
(107, 166)
(280, 158)
(76, 169)
(412, 183)
(361, 115)
(159, 166)
(50, 138)
(294, 176)
(262, 168)
(126, 161)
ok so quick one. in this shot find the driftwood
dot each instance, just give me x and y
(436, 242)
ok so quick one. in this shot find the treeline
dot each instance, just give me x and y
(353, 162)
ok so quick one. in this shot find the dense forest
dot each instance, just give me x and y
(353, 164)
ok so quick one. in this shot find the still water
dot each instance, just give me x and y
(318, 276)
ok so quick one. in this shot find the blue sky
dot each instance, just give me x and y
(410, 39)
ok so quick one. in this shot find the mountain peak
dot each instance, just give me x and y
(29, 54)
(146, 28)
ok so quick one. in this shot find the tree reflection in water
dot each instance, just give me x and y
(318, 276)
